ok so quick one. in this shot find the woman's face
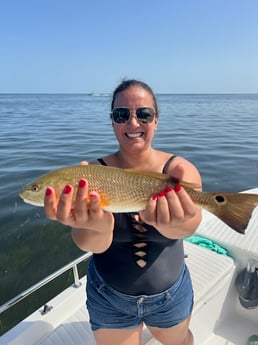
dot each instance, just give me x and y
(134, 136)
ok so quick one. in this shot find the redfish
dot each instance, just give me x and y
(127, 190)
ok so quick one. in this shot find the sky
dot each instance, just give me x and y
(83, 46)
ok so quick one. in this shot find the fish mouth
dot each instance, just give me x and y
(29, 200)
(134, 135)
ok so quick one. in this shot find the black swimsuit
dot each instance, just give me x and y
(140, 261)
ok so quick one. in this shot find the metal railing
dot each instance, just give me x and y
(72, 265)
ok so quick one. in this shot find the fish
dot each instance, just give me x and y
(129, 190)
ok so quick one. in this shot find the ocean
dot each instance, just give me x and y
(42, 132)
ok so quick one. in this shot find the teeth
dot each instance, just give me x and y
(134, 135)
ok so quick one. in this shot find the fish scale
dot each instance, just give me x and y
(122, 191)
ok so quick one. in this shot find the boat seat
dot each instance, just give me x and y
(75, 330)
(208, 270)
(239, 246)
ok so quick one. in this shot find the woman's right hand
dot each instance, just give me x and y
(92, 227)
(84, 213)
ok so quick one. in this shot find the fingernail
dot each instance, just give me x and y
(48, 191)
(93, 196)
(168, 189)
(67, 189)
(177, 188)
(155, 197)
(82, 183)
(162, 194)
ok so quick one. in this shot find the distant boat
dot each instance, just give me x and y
(99, 94)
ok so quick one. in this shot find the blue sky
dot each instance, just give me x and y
(78, 46)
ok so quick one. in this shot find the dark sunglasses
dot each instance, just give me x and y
(122, 115)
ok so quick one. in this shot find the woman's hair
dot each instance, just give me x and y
(126, 84)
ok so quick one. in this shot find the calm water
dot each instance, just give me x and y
(218, 133)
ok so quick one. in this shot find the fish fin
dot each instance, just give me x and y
(234, 209)
(186, 184)
(148, 173)
(104, 202)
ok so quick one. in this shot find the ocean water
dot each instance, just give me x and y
(39, 133)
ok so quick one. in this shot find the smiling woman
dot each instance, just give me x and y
(129, 249)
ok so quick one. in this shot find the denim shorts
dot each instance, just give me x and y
(109, 308)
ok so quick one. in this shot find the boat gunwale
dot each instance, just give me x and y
(26, 293)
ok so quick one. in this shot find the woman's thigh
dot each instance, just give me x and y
(177, 335)
(119, 336)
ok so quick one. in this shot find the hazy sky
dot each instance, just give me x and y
(78, 46)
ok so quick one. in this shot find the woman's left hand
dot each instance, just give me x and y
(173, 212)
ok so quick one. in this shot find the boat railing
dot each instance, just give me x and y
(76, 282)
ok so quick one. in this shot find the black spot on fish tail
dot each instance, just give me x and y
(234, 209)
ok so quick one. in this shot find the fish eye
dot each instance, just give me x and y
(219, 198)
(35, 188)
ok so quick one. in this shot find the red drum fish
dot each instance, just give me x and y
(128, 190)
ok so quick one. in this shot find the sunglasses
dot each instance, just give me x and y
(122, 115)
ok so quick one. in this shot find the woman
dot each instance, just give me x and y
(137, 274)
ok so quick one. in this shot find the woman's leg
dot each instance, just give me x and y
(177, 335)
(119, 336)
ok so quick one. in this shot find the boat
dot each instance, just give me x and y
(221, 316)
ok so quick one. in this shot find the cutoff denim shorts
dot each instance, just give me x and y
(109, 308)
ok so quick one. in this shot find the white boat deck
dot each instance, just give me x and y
(238, 245)
(218, 318)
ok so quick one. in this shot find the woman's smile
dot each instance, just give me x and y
(134, 135)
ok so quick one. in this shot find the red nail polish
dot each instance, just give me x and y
(177, 188)
(82, 183)
(48, 191)
(154, 197)
(162, 194)
(168, 189)
(93, 196)
(67, 189)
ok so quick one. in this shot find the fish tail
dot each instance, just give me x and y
(234, 209)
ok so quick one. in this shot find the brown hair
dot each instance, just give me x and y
(126, 84)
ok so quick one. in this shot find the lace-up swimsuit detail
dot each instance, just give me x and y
(140, 260)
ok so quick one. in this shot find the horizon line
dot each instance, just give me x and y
(94, 94)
